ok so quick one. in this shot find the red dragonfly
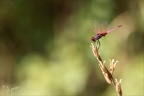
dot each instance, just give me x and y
(101, 34)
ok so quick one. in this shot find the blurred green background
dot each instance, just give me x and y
(44, 47)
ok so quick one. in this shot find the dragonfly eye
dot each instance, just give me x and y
(93, 39)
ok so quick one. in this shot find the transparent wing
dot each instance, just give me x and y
(104, 26)
(96, 28)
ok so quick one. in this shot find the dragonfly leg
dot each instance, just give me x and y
(99, 44)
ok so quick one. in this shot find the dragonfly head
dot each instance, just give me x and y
(93, 39)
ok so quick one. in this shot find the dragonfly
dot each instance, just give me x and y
(101, 33)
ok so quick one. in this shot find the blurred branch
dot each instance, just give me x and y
(107, 73)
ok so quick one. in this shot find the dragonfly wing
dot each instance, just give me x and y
(96, 29)
(104, 25)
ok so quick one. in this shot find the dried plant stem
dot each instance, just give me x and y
(107, 73)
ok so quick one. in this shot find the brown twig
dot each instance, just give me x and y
(107, 73)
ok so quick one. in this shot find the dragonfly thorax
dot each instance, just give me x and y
(97, 37)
